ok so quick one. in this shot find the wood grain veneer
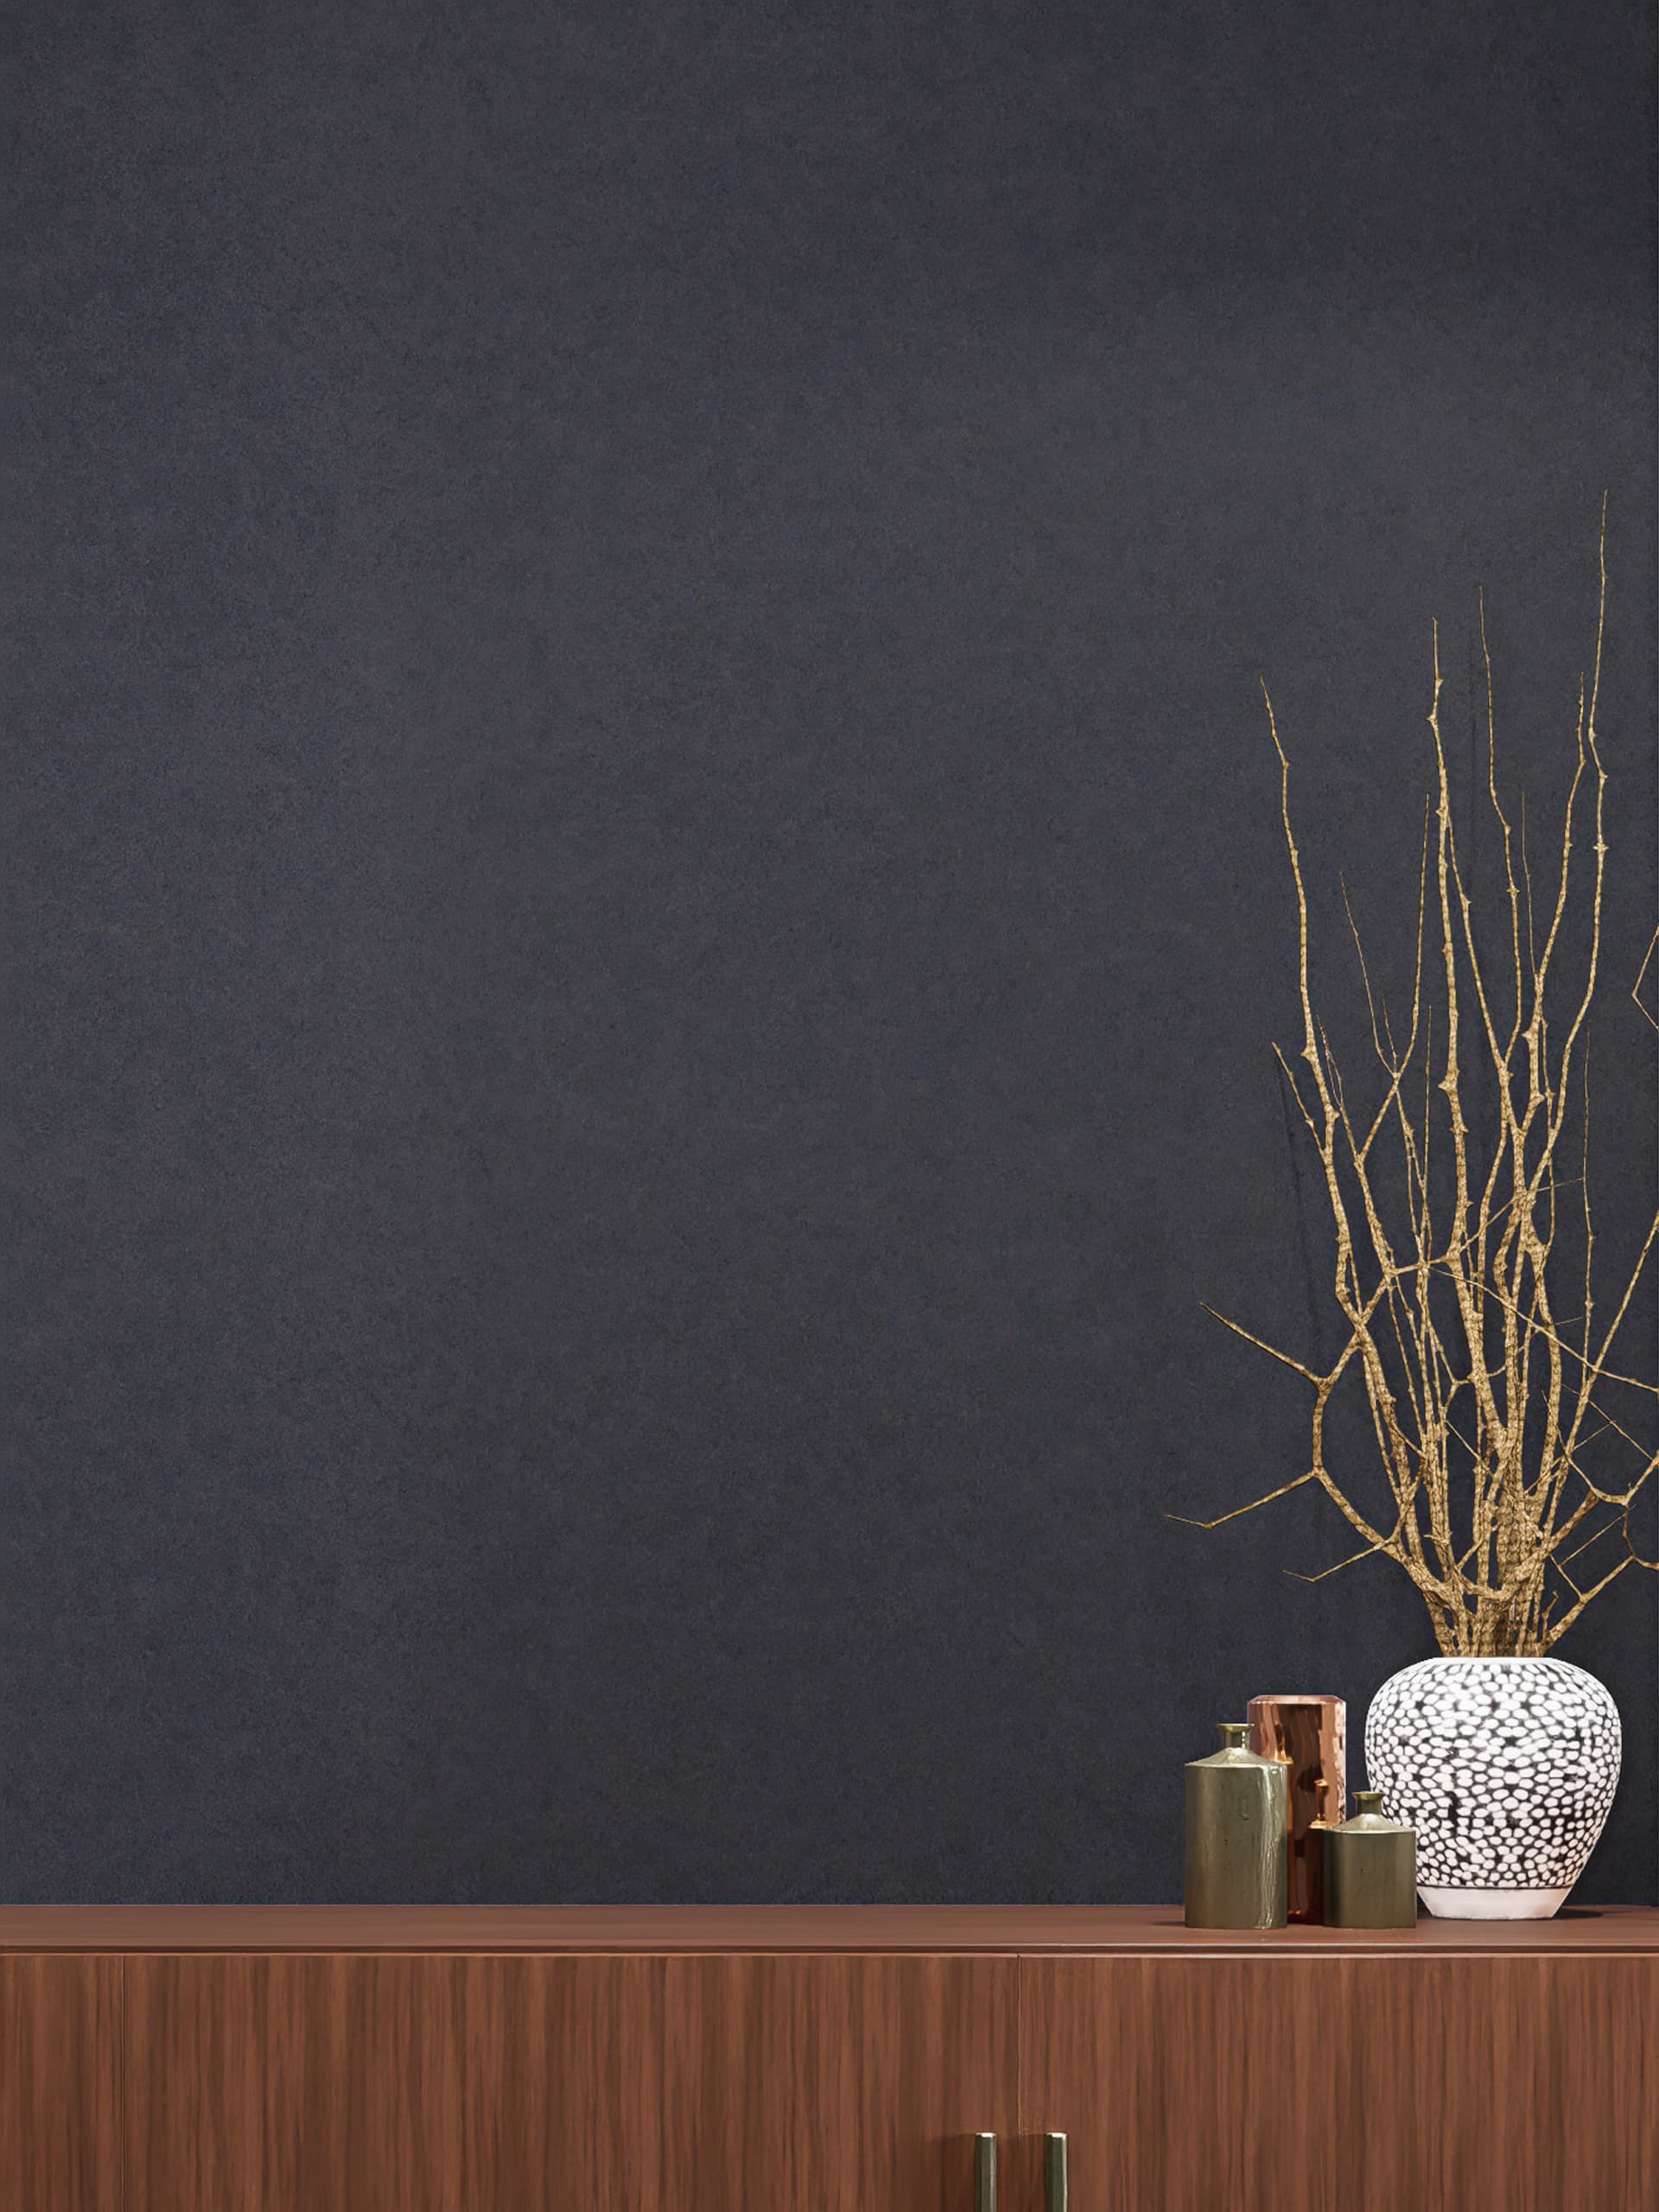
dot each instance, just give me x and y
(60, 2084)
(667, 2059)
(663, 1928)
(394, 2084)
(1490, 2084)
(842, 2084)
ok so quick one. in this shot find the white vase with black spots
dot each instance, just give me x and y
(1506, 1768)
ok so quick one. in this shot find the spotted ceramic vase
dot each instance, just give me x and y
(1506, 1768)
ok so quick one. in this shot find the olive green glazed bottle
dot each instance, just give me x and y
(1237, 1836)
(1370, 1869)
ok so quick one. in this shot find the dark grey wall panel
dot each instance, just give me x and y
(650, 905)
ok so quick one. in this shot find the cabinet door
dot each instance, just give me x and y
(1492, 2084)
(298, 2083)
(61, 2082)
(849, 2083)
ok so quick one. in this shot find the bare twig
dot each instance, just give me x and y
(1479, 1400)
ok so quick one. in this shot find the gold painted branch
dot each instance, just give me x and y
(1482, 1403)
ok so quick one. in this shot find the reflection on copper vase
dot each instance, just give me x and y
(1310, 1734)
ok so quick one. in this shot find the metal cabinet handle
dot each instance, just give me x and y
(984, 2173)
(1054, 2190)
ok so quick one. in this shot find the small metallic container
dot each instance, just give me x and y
(1237, 1836)
(1310, 1733)
(1370, 1869)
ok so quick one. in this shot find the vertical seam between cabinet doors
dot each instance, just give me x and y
(658, 2013)
(1019, 2045)
(122, 2192)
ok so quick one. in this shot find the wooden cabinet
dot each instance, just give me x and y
(60, 2082)
(612, 2084)
(334, 2059)
(1376, 2083)
(837, 2083)
(393, 2084)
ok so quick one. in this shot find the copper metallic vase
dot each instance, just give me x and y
(1310, 1734)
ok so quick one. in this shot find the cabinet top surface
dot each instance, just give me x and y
(1009, 1929)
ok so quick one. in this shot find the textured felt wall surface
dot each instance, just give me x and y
(648, 910)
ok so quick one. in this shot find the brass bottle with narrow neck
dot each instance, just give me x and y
(1237, 1836)
(1370, 1869)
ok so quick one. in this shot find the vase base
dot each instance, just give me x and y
(1494, 1904)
